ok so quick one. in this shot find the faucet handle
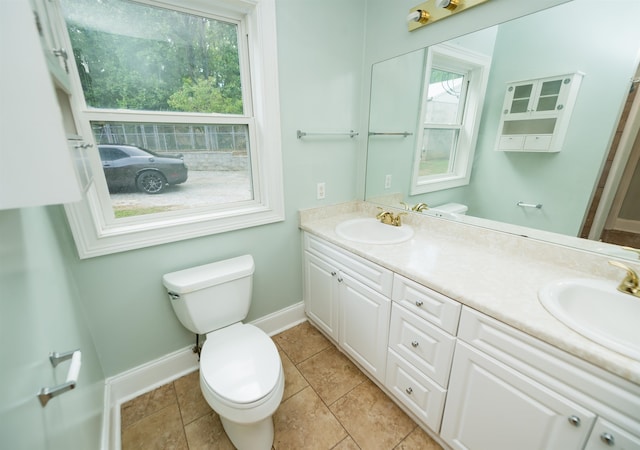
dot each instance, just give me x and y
(397, 220)
(630, 284)
(631, 249)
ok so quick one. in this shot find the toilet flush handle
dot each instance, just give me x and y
(174, 296)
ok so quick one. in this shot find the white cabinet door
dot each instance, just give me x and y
(364, 325)
(321, 294)
(491, 406)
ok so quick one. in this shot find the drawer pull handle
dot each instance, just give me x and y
(340, 280)
(409, 390)
(574, 420)
(419, 303)
(414, 344)
(334, 273)
(608, 439)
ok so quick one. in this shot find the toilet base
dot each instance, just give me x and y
(250, 436)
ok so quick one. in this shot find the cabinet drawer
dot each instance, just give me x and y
(511, 143)
(370, 274)
(417, 392)
(429, 305)
(606, 435)
(429, 349)
(537, 142)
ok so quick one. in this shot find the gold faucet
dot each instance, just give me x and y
(418, 207)
(390, 218)
(630, 284)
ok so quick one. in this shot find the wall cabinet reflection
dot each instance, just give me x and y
(535, 114)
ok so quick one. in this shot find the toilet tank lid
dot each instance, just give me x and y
(200, 277)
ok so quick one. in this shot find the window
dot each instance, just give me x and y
(173, 86)
(453, 93)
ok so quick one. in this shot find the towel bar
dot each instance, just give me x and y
(47, 393)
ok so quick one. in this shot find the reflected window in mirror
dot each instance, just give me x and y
(453, 94)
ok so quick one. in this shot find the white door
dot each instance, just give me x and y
(321, 294)
(491, 406)
(364, 327)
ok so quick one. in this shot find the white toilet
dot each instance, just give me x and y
(241, 374)
(449, 210)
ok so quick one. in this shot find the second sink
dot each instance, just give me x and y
(597, 310)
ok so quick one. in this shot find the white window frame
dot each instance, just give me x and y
(93, 225)
(475, 66)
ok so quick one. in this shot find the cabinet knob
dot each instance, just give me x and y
(419, 303)
(608, 439)
(409, 390)
(414, 344)
(574, 420)
(340, 280)
(333, 273)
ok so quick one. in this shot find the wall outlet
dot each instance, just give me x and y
(320, 191)
(387, 182)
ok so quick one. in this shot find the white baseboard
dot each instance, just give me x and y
(284, 319)
(149, 376)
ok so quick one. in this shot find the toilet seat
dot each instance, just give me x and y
(240, 365)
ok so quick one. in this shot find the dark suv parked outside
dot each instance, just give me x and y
(128, 166)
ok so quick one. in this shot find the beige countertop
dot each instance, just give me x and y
(493, 272)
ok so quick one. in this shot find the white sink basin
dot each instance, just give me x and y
(598, 311)
(372, 231)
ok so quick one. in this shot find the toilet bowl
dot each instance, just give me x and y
(241, 375)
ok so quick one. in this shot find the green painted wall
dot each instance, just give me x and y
(562, 181)
(42, 311)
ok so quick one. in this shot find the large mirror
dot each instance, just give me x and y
(548, 195)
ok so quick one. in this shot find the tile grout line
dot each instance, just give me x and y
(184, 426)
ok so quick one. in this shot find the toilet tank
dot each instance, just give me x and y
(212, 296)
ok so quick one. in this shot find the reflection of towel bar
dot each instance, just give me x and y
(47, 393)
(302, 134)
(403, 134)
(530, 205)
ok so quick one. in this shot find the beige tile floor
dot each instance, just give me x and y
(328, 404)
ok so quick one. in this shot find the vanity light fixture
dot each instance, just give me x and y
(434, 10)
(447, 4)
(419, 16)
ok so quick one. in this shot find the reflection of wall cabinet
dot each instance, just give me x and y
(348, 298)
(536, 113)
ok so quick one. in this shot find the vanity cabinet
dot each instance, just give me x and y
(508, 390)
(347, 297)
(421, 344)
(493, 406)
(477, 382)
(535, 113)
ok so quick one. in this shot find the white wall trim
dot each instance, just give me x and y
(284, 319)
(153, 374)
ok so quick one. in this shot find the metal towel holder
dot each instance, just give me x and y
(47, 393)
(529, 205)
